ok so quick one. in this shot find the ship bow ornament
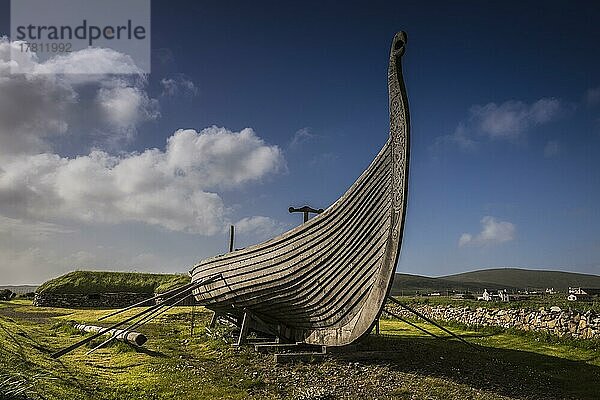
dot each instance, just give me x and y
(326, 281)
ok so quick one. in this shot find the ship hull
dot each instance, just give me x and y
(325, 282)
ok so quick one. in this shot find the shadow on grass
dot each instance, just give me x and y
(514, 373)
(13, 311)
(22, 359)
(149, 352)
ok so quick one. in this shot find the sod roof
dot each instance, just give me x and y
(86, 282)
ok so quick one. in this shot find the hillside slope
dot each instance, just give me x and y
(405, 283)
(526, 278)
(493, 279)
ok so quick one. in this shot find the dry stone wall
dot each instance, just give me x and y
(102, 300)
(553, 320)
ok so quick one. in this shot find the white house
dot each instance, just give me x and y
(503, 296)
(579, 297)
(582, 294)
(486, 296)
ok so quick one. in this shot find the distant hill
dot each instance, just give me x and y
(528, 278)
(19, 289)
(494, 279)
(409, 284)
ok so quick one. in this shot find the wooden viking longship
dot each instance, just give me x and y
(326, 281)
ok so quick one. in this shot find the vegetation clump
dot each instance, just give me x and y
(6, 295)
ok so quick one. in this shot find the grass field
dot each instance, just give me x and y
(403, 363)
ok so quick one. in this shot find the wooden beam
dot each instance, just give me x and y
(244, 329)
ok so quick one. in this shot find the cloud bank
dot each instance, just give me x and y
(174, 188)
(74, 95)
(65, 179)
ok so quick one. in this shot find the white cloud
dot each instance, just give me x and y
(90, 61)
(178, 85)
(301, 137)
(46, 100)
(459, 138)
(222, 158)
(91, 64)
(507, 121)
(511, 118)
(31, 230)
(124, 106)
(173, 188)
(551, 149)
(465, 239)
(492, 232)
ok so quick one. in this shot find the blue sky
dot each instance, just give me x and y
(505, 113)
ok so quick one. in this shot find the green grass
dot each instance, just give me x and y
(535, 303)
(28, 335)
(528, 362)
(403, 363)
(85, 282)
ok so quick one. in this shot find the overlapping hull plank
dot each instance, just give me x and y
(325, 282)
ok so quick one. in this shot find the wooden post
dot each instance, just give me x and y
(231, 236)
(244, 329)
(213, 320)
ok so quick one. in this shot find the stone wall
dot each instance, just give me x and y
(563, 323)
(103, 300)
